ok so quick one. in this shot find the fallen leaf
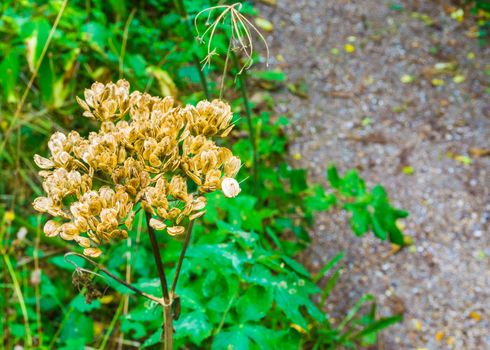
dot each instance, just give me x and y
(458, 15)
(475, 315)
(269, 2)
(264, 24)
(408, 170)
(407, 78)
(458, 79)
(439, 336)
(437, 82)
(349, 48)
(463, 159)
(417, 325)
(366, 121)
(479, 152)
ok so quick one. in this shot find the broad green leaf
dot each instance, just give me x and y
(194, 325)
(153, 339)
(360, 218)
(9, 74)
(81, 305)
(234, 339)
(254, 304)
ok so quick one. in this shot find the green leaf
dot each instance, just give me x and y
(194, 325)
(334, 261)
(318, 200)
(298, 180)
(81, 305)
(270, 75)
(266, 338)
(378, 228)
(296, 266)
(234, 339)
(360, 218)
(9, 74)
(254, 304)
(333, 177)
(96, 35)
(136, 329)
(352, 184)
(378, 325)
(332, 281)
(355, 309)
(78, 326)
(153, 339)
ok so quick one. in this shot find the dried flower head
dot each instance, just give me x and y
(146, 154)
(240, 32)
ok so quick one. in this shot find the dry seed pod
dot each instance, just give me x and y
(230, 187)
(175, 230)
(157, 224)
(147, 160)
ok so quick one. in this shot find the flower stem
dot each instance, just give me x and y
(182, 256)
(180, 7)
(242, 81)
(108, 273)
(168, 330)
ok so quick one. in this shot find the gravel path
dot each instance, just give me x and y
(360, 114)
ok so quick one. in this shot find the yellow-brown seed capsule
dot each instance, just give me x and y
(150, 159)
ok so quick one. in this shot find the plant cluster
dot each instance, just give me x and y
(95, 183)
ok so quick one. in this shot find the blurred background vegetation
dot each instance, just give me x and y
(242, 285)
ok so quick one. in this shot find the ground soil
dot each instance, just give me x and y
(357, 113)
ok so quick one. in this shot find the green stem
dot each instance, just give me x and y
(180, 7)
(242, 82)
(112, 325)
(20, 297)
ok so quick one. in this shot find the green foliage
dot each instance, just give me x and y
(370, 210)
(241, 285)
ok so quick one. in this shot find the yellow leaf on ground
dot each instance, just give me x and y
(439, 335)
(417, 324)
(479, 152)
(407, 78)
(349, 48)
(458, 79)
(475, 315)
(264, 24)
(450, 341)
(437, 82)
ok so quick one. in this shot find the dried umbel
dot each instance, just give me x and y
(147, 154)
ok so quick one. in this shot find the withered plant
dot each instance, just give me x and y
(148, 154)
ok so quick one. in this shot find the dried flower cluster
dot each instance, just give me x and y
(147, 152)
